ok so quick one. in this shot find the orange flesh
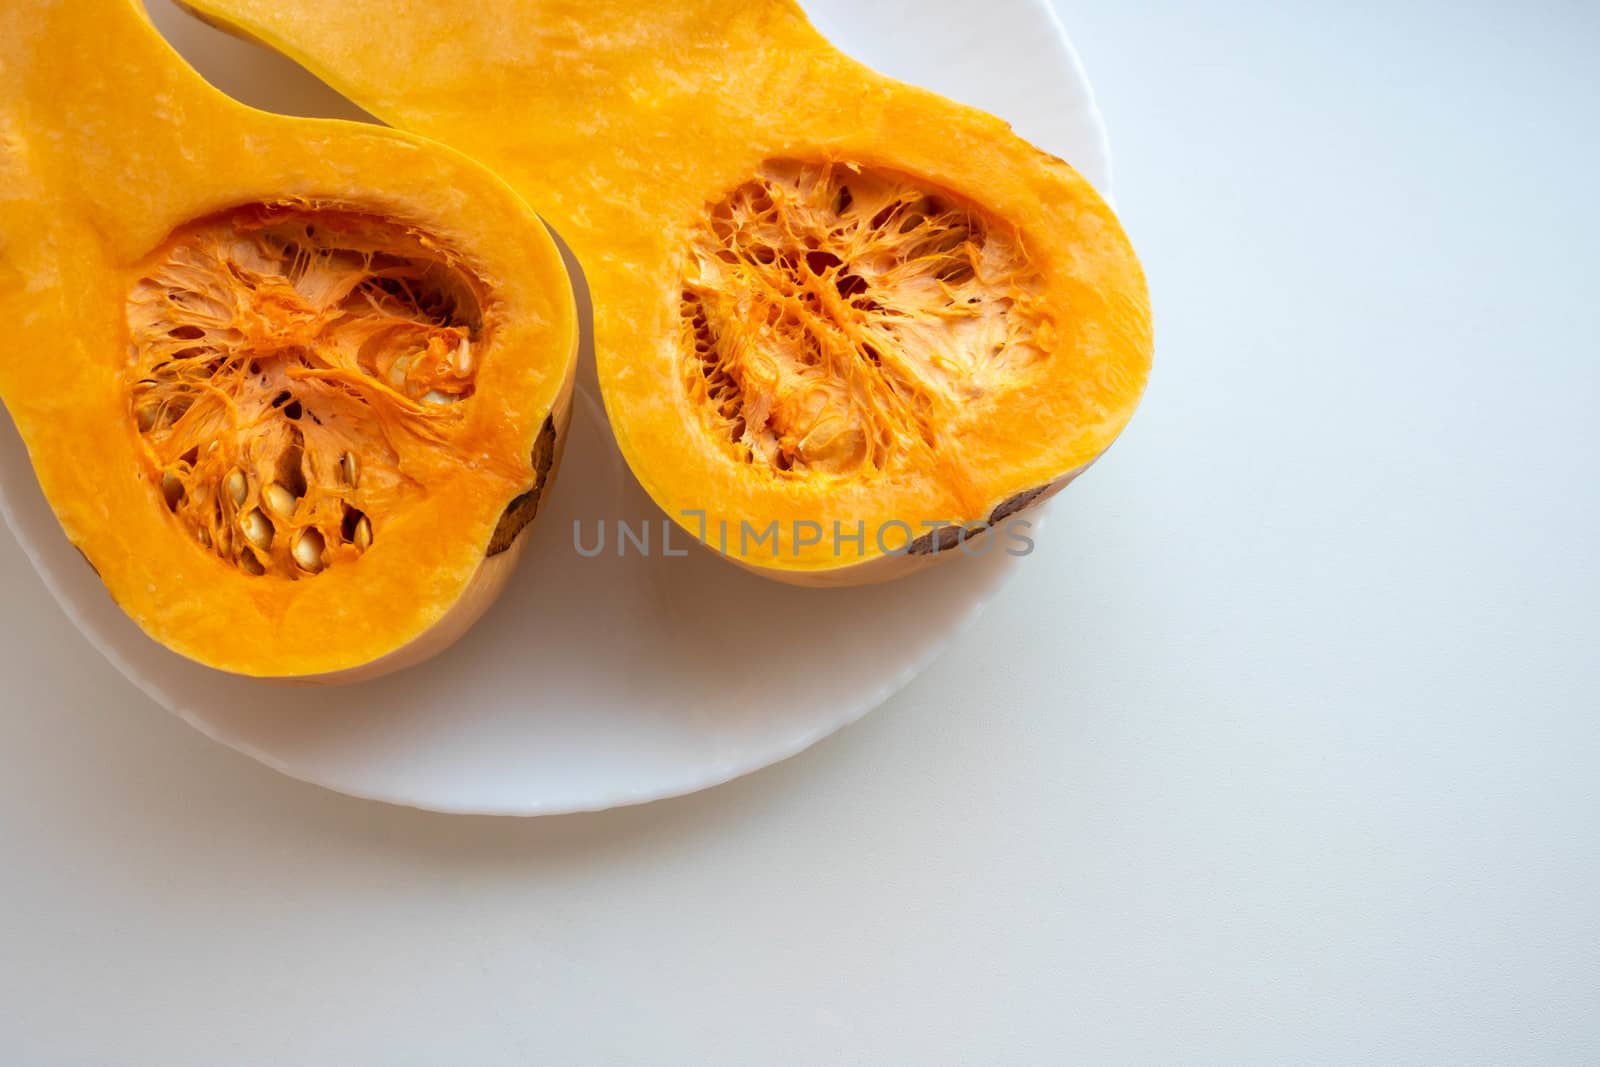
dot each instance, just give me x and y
(766, 391)
(286, 364)
(844, 321)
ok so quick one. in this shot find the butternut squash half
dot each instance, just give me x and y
(840, 322)
(292, 387)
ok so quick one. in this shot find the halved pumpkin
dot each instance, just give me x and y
(292, 386)
(840, 322)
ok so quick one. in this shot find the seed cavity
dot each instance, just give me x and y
(284, 359)
(846, 320)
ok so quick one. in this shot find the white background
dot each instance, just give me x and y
(1284, 747)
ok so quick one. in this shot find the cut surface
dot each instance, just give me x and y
(844, 320)
(285, 362)
(821, 297)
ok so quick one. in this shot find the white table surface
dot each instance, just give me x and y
(1283, 749)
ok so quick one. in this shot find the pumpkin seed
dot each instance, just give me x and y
(397, 371)
(256, 529)
(172, 490)
(308, 550)
(279, 500)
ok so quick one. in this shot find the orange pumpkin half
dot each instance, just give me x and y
(292, 387)
(840, 322)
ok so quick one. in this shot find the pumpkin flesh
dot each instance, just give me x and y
(280, 379)
(822, 298)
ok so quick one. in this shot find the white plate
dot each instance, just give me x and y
(606, 681)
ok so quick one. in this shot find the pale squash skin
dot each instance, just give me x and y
(624, 121)
(108, 143)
